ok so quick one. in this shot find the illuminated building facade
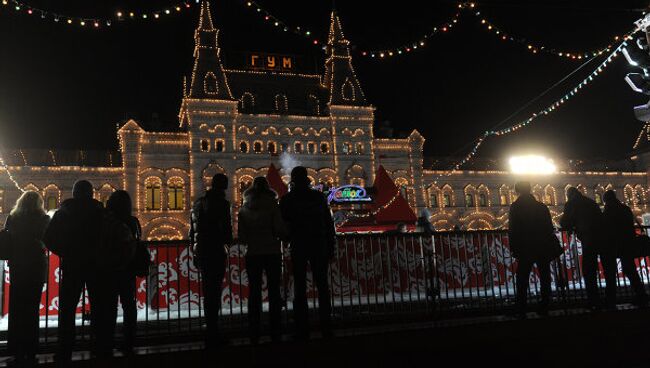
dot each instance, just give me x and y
(239, 121)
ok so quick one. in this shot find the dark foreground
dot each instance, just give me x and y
(602, 339)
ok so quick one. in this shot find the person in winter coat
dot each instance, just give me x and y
(582, 215)
(119, 203)
(74, 235)
(210, 233)
(261, 227)
(619, 225)
(532, 242)
(26, 225)
(313, 239)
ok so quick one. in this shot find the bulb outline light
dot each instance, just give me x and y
(532, 165)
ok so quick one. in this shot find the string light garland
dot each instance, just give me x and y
(4, 166)
(94, 23)
(279, 23)
(489, 26)
(549, 109)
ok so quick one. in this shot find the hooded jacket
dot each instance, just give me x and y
(260, 224)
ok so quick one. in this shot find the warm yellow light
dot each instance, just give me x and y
(532, 165)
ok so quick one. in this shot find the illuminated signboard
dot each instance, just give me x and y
(270, 62)
(349, 193)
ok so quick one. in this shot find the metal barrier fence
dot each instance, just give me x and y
(372, 277)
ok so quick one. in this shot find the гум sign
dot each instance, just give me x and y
(348, 193)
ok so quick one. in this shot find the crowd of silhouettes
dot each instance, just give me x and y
(100, 251)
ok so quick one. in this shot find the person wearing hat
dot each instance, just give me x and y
(619, 225)
(210, 233)
(312, 240)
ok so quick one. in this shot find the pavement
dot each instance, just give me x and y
(567, 338)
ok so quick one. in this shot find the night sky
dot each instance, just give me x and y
(67, 87)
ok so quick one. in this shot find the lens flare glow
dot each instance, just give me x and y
(532, 165)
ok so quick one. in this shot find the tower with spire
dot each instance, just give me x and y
(207, 103)
(340, 79)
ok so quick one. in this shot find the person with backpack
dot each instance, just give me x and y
(119, 204)
(210, 233)
(260, 228)
(26, 225)
(313, 239)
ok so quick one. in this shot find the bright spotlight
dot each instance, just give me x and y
(532, 165)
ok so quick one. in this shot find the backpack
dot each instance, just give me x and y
(116, 245)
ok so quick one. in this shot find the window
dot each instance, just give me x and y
(311, 148)
(281, 103)
(360, 148)
(176, 194)
(482, 200)
(284, 147)
(324, 148)
(404, 192)
(51, 203)
(271, 148)
(210, 84)
(257, 147)
(247, 101)
(152, 194)
(469, 200)
(434, 200)
(243, 147)
(503, 199)
(219, 145)
(598, 199)
(205, 145)
(446, 200)
(347, 148)
(297, 147)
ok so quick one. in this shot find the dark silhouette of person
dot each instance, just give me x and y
(583, 215)
(210, 233)
(619, 224)
(119, 204)
(313, 238)
(26, 225)
(400, 228)
(532, 242)
(261, 227)
(74, 235)
(423, 225)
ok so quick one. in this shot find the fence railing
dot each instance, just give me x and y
(372, 277)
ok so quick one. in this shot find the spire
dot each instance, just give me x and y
(208, 79)
(340, 79)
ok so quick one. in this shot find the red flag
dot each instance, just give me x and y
(275, 181)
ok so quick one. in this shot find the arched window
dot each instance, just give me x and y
(504, 195)
(347, 90)
(2, 200)
(402, 184)
(482, 200)
(210, 84)
(257, 147)
(360, 148)
(272, 148)
(598, 198)
(152, 193)
(447, 196)
(324, 148)
(219, 145)
(284, 147)
(550, 198)
(311, 148)
(347, 148)
(205, 145)
(247, 101)
(469, 200)
(51, 202)
(245, 182)
(243, 147)
(176, 194)
(297, 147)
(281, 103)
